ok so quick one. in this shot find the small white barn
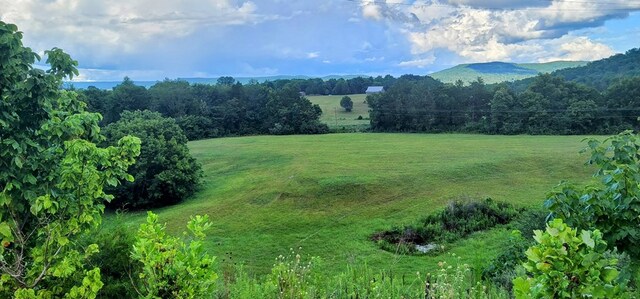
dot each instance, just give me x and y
(374, 89)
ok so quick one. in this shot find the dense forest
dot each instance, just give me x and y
(598, 74)
(602, 97)
(549, 105)
(204, 111)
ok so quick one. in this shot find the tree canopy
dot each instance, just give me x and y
(346, 103)
(165, 172)
(52, 175)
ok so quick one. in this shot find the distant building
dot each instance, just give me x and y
(374, 89)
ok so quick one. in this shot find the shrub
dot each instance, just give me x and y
(165, 172)
(456, 221)
(613, 206)
(346, 103)
(568, 264)
(530, 220)
(114, 260)
(171, 267)
(503, 269)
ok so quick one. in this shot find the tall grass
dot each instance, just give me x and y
(293, 278)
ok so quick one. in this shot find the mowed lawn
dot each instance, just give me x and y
(328, 193)
(336, 117)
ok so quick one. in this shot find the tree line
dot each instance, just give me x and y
(205, 111)
(548, 105)
(341, 86)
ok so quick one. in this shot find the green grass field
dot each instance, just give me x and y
(329, 193)
(337, 118)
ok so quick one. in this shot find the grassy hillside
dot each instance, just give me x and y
(329, 193)
(495, 72)
(337, 118)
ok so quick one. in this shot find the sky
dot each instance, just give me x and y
(157, 39)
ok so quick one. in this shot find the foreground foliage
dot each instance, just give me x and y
(171, 267)
(293, 277)
(567, 263)
(613, 205)
(52, 176)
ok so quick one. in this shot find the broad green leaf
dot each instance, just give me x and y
(609, 274)
(587, 240)
(5, 230)
(18, 161)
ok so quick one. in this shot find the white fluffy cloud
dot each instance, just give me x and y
(419, 62)
(501, 30)
(578, 48)
(105, 29)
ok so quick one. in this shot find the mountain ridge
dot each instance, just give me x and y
(497, 71)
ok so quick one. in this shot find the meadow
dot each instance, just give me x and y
(324, 195)
(337, 118)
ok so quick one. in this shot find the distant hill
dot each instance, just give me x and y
(598, 74)
(243, 80)
(495, 72)
(601, 73)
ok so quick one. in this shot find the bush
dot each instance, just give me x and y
(117, 269)
(165, 172)
(346, 103)
(458, 220)
(613, 206)
(171, 267)
(528, 221)
(569, 264)
(503, 269)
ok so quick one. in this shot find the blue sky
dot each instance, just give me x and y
(154, 39)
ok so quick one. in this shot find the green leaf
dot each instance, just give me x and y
(5, 230)
(609, 274)
(31, 179)
(18, 161)
(4, 199)
(112, 181)
(587, 240)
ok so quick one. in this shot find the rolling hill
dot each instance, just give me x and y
(329, 193)
(599, 74)
(495, 72)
